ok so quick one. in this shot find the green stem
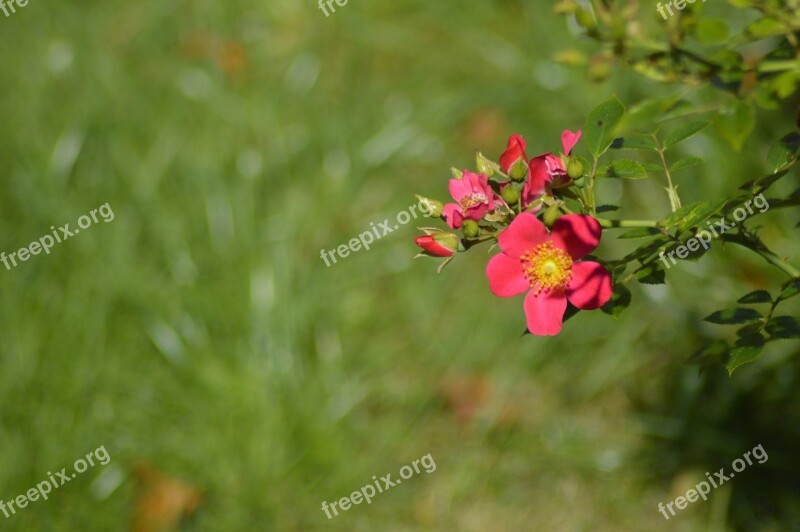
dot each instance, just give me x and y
(674, 199)
(621, 224)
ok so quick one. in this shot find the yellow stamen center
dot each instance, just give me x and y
(471, 200)
(547, 267)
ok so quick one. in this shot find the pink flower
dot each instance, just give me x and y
(547, 170)
(547, 266)
(474, 196)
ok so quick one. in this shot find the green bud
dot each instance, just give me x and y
(457, 174)
(430, 208)
(471, 229)
(484, 165)
(510, 195)
(585, 19)
(574, 168)
(519, 171)
(551, 215)
(580, 182)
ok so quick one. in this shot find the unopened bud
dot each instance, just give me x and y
(429, 207)
(471, 229)
(575, 168)
(579, 182)
(551, 215)
(484, 165)
(438, 244)
(519, 170)
(585, 19)
(510, 195)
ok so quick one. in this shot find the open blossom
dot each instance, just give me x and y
(474, 198)
(548, 267)
(544, 171)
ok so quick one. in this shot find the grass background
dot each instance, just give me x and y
(201, 333)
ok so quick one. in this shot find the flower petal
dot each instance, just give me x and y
(452, 215)
(569, 140)
(506, 278)
(545, 312)
(525, 232)
(514, 152)
(590, 287)
(458, 188)
(577, 234)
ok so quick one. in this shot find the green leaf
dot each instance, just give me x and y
(765, 27)
(759, 296)
(619, 301)
(790, 289)
(684, 132)
(606, 208)
(635, 141)
(734, 316)
(711, 31)
(600, 125)
(713, 353)
(736, 122)
(784, 152)
(651, 274)
(688, 162)
(747, 349)
(784, 327)
(624, 168)
(640, 232)
(692, 215)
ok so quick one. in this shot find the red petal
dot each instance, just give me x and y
(514, 151)
(505, 276)
(569, 140)
(590, 286)
(524, 233)
(453, 215)
(577, 234)
(545, 312)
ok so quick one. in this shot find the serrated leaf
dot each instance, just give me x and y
(747, 349)
(684, 132)
(651, 274)
(624, 168)
(735, 123)
(759, 296)
(599, 128)
(733, 316)
(790, 289)
(784, 151)
(692, 215)
(784, 327)
(635, 141)
(620, 300)
(639, 232)
(688, 162)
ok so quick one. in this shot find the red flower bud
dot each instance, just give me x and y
(438, 244)
(515, 152)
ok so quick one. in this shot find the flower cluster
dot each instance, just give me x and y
(502, 203)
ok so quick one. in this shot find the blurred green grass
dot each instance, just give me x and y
(201, 332)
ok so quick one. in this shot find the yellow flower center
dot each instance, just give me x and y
(547, 267)
(471, 200)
